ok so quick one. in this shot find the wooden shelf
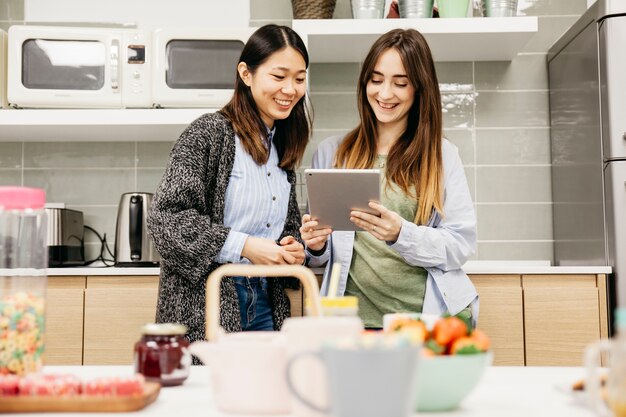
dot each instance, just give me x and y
(93, 125)
(458, 39)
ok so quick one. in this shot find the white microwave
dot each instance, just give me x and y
(3, 69)
(78, 67)
(196, 67)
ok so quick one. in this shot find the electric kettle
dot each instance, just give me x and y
(133, 247)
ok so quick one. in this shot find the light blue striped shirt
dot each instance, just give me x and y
(257, 199)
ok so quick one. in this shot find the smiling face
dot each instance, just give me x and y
(277, 84)
(389, 92)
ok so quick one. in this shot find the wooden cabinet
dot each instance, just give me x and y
(542, 320)
(115, 309)
(64, 321)
(501, 316)
(562, 315)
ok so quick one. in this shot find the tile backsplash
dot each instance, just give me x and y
(495, 112)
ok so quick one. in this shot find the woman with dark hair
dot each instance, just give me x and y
(409, 259)
(228, 192)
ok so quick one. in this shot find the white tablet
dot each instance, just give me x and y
(334, 193)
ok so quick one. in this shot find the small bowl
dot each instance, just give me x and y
(444, 381)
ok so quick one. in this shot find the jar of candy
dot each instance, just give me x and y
(162, 354)
(23, 263)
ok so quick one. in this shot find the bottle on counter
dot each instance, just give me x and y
(162, 354)
(23, 263)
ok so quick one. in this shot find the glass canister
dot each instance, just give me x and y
(23, 263)
(162, 354)
(615, 395)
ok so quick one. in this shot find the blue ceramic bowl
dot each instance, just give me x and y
(444, 381)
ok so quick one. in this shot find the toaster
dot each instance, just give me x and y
(133, 246)
(65, 237)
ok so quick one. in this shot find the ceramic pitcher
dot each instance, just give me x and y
(248, 369)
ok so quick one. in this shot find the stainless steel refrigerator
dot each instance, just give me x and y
(587, 76)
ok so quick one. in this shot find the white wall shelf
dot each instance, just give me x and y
(462, 39)
(92, 125)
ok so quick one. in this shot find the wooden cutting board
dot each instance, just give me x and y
(80, 403)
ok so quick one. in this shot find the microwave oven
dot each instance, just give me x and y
(69, 67)
(196, 67)
(3, 69)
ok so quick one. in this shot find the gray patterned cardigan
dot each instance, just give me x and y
(186, 225)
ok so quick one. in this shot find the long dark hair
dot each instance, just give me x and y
(292, 134)
(415, 159)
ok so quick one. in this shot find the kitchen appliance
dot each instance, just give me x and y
(65, 236)
(78, 67)
(133, 246)
(3, 69)
(196, 67)
(587, 75)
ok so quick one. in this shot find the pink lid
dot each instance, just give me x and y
(22, 198)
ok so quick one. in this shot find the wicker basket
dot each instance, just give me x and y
(313, 9)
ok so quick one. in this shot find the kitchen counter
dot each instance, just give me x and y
(471, 267)
(503, 391)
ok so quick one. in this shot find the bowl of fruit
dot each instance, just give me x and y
(454, 357)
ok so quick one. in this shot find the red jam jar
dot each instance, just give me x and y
(162, 354)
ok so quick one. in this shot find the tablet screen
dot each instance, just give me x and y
(334, 193)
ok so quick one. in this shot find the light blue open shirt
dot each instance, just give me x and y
(257, 198)
(441, 247)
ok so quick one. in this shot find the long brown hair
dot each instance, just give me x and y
(292, 134)
(415, 159)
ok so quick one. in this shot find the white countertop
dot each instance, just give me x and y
(471, 267)
(503, 391)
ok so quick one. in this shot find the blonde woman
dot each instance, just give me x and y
(409, 259)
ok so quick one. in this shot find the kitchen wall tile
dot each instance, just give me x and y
(455, 76)
(102, 219)
(520, 109)
(513, 184)
(525, 72)
(335, 111)
(10, 176)
(92, 250)
(149, 179)
(270, 9)
(79, 154)
(318, 136)
(342, 10)
(334, 77)
(153, 154)
(463, 140)
(6, 24)
(512, 146)
(458, 110)
(514, 221)
(551, 7)
(520, 251)
(12, 10)
(82, 186)
(550, 29)
(10, 154)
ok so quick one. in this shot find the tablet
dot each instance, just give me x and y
(333, 193)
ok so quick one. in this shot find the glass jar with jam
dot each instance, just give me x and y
(162, 354)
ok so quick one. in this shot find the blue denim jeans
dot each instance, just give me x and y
(254, 304)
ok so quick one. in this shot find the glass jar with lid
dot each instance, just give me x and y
(162, 354)
(23, 263)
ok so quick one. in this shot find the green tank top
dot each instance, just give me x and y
(379, 276)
